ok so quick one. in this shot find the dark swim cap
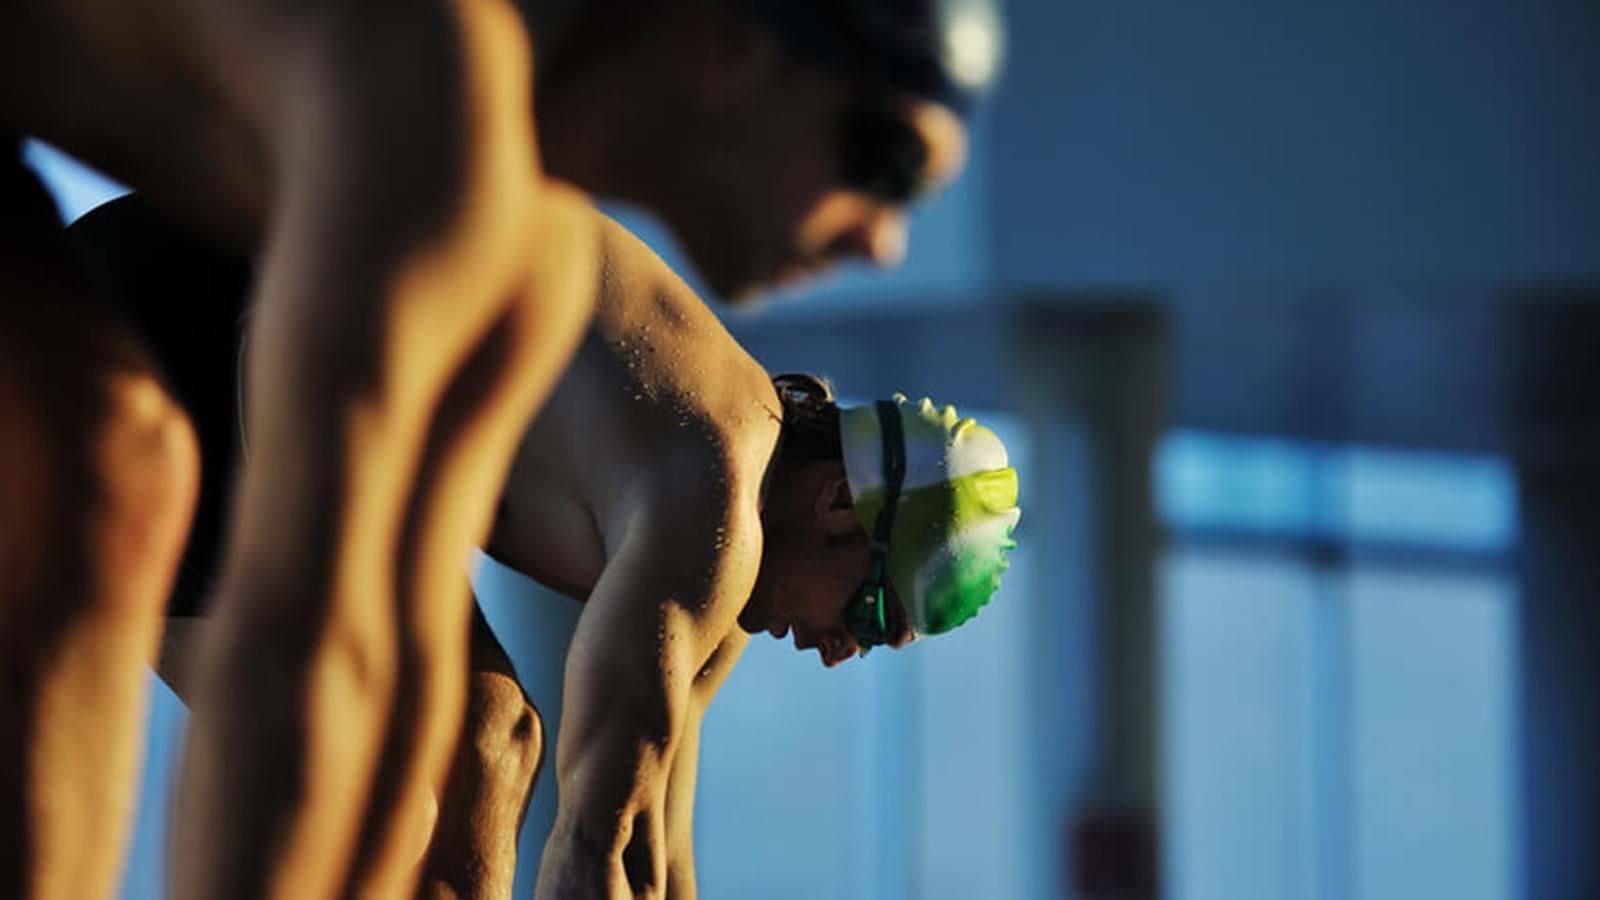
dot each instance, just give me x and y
(946, 50)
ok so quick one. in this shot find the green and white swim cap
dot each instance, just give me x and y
(957, 507)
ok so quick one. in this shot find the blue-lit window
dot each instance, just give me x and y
(1338, 647)
(75, 187)
(1353, 495)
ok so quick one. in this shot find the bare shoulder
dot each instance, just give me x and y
(699, 391)
(653, 448)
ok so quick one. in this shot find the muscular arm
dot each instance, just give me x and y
(665, 601)
(685, 766)
(402, 340)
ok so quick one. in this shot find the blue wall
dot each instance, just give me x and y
(1171, 143)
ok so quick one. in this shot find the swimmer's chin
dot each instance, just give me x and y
(748, 625)
(778, 629)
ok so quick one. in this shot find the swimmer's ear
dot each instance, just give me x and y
(834, 507)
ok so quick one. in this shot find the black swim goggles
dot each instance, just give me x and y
(881, 154)
(865, 617)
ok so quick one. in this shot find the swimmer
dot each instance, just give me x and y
(412, 181)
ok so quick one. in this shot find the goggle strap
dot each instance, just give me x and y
(894, 471)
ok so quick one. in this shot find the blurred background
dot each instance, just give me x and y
(1290, 316)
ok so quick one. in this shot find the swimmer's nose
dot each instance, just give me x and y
(880, 238)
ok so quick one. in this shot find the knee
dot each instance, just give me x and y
(143, 476)
(473, 853)
(504, 731)
(106, 474)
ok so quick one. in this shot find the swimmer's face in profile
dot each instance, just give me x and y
(769, 166)
(818, 172)
(814, 560)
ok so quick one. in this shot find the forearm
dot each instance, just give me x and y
(680, 877)
(613, 855)
(653, 621)
(613, 781)
(680, 857)
(613, 764)
(680, 803)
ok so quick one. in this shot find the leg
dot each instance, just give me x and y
(473, 854)
(101, 471)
